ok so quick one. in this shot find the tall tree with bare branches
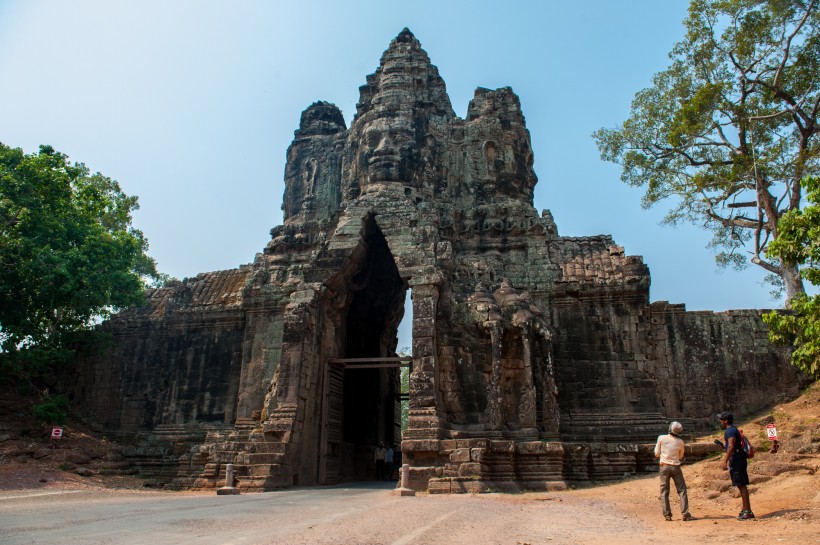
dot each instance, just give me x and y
(727, 132)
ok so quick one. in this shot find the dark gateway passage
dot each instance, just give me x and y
(370, 394)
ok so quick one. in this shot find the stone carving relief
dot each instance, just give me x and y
(520, 342)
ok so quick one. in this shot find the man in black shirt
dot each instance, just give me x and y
(735, 461)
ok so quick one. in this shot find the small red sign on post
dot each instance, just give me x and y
(56, 432)
(771, 431)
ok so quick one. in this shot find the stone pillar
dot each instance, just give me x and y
(492, 414)
(423, 420)
(551, 415)
(404, 487)
(229, 489)
(526, 409)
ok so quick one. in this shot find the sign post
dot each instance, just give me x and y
(56, 435)
(771, 432)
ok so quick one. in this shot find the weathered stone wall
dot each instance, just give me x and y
(707, 360)
(175, 361)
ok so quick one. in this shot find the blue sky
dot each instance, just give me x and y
(191, 105)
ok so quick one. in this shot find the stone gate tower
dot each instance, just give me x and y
(536, 358)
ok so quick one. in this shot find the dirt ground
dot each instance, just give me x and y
(785, 486)
(784, 489)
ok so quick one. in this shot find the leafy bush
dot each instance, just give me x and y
(53, 410)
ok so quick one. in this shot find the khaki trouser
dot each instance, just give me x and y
(673, 472)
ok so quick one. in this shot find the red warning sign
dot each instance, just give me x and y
(771, 431)
(56, 432)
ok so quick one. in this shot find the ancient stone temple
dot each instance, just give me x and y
(537, 359)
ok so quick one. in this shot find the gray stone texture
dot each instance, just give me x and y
(537, 359)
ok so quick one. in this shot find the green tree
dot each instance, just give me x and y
(799, 241)
(729, 129)
(69, 257)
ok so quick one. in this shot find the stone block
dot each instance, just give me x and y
(531, 447)
(265, 458)
(227, 491)
(501, 446)
(478, 454)
(460, 486)
(277, 426)
(700, 450)
(460, 455)
(446, 446)
(424, 473)
(439, 486)
(469, 470)
(203, 483)
(269, 447)
(450, 470)
(420, 446)
(472, 443)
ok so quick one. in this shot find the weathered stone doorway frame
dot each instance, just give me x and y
(345, 364)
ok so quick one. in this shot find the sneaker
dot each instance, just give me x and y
(668, 517)
(746, 515)
(687, 516)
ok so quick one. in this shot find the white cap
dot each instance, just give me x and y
(676, 428)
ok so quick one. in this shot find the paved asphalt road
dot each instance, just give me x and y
(156, 518)
(351, 514)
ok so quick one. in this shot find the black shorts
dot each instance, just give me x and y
(737, 471)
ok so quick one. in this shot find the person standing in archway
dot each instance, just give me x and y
(378, 457)
(388, 463)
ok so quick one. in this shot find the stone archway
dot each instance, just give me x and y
(361, 388)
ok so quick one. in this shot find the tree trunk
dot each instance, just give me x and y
(792, 281)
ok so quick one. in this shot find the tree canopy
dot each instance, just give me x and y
(799, 241)
(68, 256)
(727, 132)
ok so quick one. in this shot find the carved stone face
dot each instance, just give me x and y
(388, 151)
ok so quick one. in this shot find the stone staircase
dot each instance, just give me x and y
(156, 453)
(260, 459)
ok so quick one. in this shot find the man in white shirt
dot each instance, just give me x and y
(670, 450)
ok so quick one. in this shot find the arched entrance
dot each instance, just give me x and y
(361, 402)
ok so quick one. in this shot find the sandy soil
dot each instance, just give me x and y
(785, 488)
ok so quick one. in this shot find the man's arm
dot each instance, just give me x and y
(730, 448)
(658, 447)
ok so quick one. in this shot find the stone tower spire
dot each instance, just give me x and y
(400, 115)
(405, 78)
